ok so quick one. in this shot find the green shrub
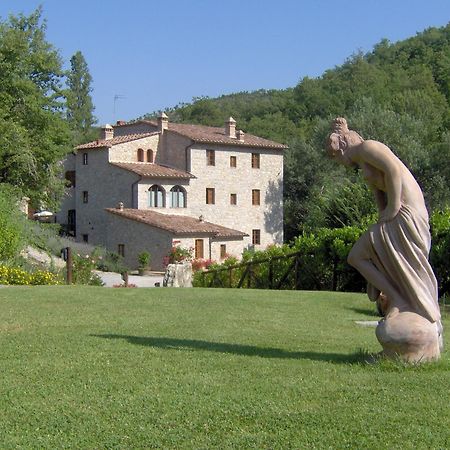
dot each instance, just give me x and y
(18, 276)
(440, 249)
(82, 270)
(12, 224)
(144, 259)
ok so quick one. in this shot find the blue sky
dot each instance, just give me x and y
(155, 54)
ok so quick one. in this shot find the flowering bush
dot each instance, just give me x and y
(178, 255)
(201, 264)
(82, 267)
(17, 276)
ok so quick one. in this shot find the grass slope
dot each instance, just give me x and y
(86, 367)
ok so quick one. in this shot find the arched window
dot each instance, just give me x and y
(177, 197)
(140, 155)
(149, 155)
(156, 197)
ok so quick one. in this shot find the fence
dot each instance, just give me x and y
(251, 273)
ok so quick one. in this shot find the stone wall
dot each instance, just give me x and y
(106, 186)
(137, 237)
(127, 152)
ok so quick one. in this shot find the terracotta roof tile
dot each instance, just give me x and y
(153, 170)
(178, 225)
(216, 135)
(99, 143)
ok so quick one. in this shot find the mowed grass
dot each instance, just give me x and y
(87, 367)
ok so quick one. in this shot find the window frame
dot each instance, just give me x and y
(210, 196)
(256, 237)
(121, 250)
(210, 157)
(140, 155)
(153, 197)
(256, 197)
(256, 160)
(233, 161)
(85, 195)
(85, 159)
(179, 190)
(233, 199)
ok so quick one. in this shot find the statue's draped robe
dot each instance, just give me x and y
(400, 249)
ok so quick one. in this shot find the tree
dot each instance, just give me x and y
(79, 102)
(33, 132)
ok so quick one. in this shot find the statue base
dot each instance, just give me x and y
(409, 337)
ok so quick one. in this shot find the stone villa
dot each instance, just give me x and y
(151, 185)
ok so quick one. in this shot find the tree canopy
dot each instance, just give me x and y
(33, 132)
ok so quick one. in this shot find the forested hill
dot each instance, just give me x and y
(398, 93)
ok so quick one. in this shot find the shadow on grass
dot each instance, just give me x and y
(237, 349)
(366, 311)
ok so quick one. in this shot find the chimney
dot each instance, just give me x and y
(121, 122)
(163, 122)
(120, 206)
(230, 128)
(240, 135)
(106, 132)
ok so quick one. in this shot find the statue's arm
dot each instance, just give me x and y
(380, 200)
(381, 157)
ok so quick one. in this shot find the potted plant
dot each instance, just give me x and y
(144, 263)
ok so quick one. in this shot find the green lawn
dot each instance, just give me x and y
(87, 367)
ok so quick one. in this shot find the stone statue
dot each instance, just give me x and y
(393, 254)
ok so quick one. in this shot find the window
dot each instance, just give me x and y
(256, 197)
(255, 160)
(71, 222)
(256, 237)
(210, 196)
(177, 197)
(140, 155)
(233, 161)
(121, 249)
(150, 156)
(85, 237)
(233, 199)
(156, 197)
(85, 159)
(199, 249)
(70, 177)
(210, 158)
(85, 196)
(223, 251)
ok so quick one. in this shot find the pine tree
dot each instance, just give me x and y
(79, 102)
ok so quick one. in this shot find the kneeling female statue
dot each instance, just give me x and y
(393, 254)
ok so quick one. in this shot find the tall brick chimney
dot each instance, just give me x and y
(163, 122)
(106, 132)
(230, 128)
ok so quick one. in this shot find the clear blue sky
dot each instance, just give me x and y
(157, 53)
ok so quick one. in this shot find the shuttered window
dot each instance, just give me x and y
(256, 197)
(210, 196)
(199, 249)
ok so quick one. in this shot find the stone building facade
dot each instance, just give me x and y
(150, 185)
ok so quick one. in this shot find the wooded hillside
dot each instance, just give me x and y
(399, 94)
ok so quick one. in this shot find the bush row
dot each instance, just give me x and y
(322, 261)
(15, 276)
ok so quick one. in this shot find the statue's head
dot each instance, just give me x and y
(341, 138)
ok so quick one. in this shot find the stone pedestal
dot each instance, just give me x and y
(409, 337)
(178, 275)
